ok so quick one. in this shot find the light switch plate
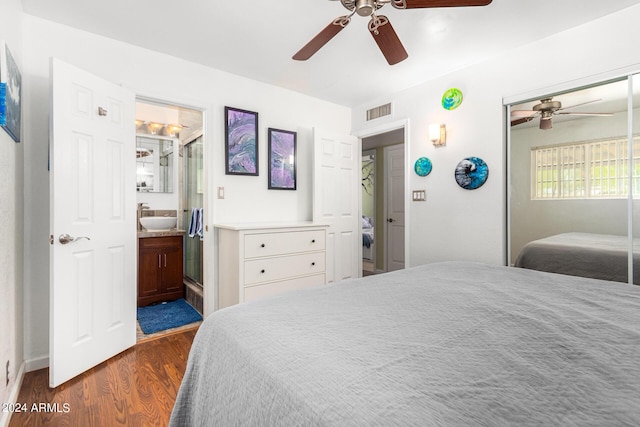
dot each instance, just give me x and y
(419, 195)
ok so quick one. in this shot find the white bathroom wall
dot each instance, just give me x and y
(162, 77)
(457, 224)
(11, 226)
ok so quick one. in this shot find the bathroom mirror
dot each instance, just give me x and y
(573, 180)
(155, 164)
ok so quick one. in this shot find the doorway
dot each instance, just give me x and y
(383, 223)
(184, 170)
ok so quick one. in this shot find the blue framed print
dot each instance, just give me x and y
(10, 117)
(3, 104)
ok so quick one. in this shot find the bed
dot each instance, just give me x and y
(599, 256)
(444, 344)
(367, 238)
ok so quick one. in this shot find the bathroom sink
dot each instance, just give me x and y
(158, 223)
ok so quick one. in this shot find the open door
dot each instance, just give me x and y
(93, 222)
(336, 187)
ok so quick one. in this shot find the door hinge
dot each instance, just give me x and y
(51, 239)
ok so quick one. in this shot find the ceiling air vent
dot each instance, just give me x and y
(380, 111)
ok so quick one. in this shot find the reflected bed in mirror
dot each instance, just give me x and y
(155, 161)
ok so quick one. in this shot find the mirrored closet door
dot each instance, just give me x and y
(573, 181)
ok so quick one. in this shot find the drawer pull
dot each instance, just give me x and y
(313, 263)
(262, 245)
(262, 271)
(313, 241)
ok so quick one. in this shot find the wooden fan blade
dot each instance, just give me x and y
(568, 113)
(523, 113)
(520, 121)
(580, 104)
(387, 40)
(419, 4)
(322, 38)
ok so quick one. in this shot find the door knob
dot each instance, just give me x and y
(390, 220)
(65, 238)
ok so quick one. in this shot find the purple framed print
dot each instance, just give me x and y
(10, 95)
(241, 142)
(282, 159)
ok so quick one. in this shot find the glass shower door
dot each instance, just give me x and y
(193, 199)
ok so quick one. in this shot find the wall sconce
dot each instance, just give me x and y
(173, 130)
(438, 134)
(154, 127)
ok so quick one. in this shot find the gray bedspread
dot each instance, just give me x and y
(446, 344)
(600, 256)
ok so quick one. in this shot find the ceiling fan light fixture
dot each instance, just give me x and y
(545, 123)
(365, 7)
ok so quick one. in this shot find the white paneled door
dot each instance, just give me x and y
(93, 222)
(394, 195)
(336, 199)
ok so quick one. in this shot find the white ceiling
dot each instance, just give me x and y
(256, 39)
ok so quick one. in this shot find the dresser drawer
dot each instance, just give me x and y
(271, 269)
(260, 291)
(270, 244)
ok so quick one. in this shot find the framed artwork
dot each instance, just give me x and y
(241, 142)
(452, 98)
(423, 166)
(471, 173)
(12, 79)
(282, 159)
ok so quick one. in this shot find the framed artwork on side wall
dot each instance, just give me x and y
(241, 142)
(12, 79)
(282, 159)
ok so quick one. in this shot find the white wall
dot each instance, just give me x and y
(11, 224)
(154, 75)
(470, 225)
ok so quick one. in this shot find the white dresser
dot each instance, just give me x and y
(258, 260)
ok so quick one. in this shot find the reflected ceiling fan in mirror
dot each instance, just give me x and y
(379, 25)
(546, 109)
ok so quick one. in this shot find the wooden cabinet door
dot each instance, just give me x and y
(149, 272)
(172, 274)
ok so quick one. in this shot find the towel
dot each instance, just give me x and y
(195, 224)
(199, 226)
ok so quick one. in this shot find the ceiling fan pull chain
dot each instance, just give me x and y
(377, 22)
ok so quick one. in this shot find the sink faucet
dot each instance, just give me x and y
(141, 207)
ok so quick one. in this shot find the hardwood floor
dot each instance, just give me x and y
(138, 387)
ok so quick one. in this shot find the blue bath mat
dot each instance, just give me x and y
(154, 318)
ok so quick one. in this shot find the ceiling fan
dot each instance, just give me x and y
(546, 109)
(379, 25)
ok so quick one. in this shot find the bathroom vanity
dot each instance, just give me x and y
(159, 267)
